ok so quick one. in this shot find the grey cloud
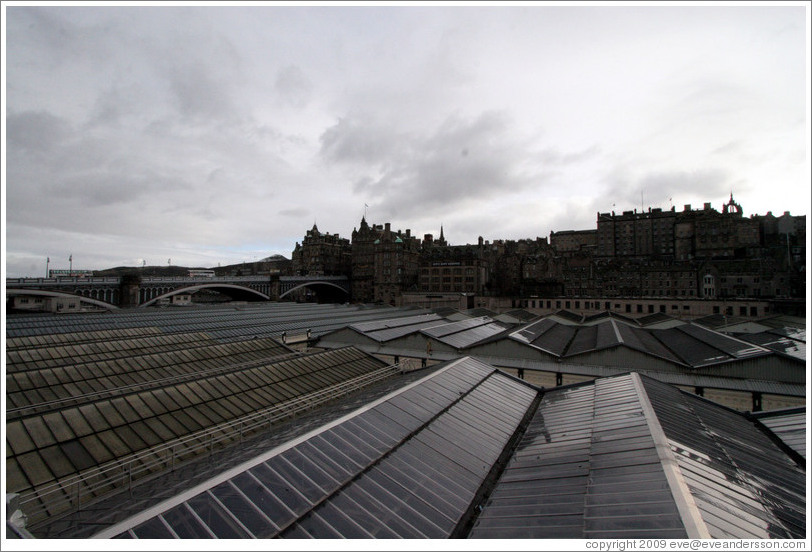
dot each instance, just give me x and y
(353, 140)
(35, 131)
(462, 159)
(293, 86)
(198, 94)
(294, 213)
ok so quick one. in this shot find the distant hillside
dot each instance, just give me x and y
(278, 262)
(145, 271)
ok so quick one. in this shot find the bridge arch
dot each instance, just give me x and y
(315, 284)
(233, 291)
(67, 295)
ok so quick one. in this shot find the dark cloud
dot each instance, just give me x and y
(463, 160)
(36, 132)
(294, 213)
(198, 94)
(356, 140)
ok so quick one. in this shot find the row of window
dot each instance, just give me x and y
(639, 308)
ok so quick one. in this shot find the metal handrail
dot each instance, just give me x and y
(60, 496)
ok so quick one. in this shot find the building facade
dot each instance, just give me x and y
(322, 254)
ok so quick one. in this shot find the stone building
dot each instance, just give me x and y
(363, 261)
(322, 254)
(571, 241)
(384, 263)
(634, 234)
(453, 268)
(396, 262)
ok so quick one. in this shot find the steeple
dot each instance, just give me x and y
(731, 207)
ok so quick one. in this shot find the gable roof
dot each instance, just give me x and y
(468, 451)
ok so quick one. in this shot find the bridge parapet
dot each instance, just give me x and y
(35, 282)
(202, 279)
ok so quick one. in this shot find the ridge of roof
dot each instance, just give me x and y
(689, 512)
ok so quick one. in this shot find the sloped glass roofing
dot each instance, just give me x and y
(631, 457)
(730, 345)
(49, 444)
(788, 424)
(643, 340)
(530, 332)
(587, 467)
(404, 467)
(777, 342)
(556, 339)
(469, 451)
(455, 327)
(227, 322)
(386, 330)
(741, 483)
(686, 344)
(378, 325)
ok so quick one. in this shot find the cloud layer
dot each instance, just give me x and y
(211, 135)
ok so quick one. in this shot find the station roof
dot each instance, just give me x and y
(388, 329)
(464, 333)
(687, 344)
(788, 424)
(468, 451)
(222, 322)
(438, 452)
(93, 418)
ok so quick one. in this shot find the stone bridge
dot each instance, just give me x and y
(116, 292)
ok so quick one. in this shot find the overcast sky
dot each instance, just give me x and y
(216, 135)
